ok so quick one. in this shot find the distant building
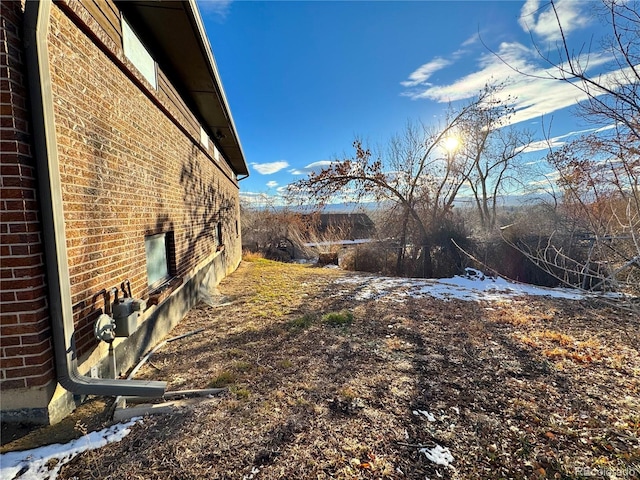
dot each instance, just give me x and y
(351, 226)
(120, 162)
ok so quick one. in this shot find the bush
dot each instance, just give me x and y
(376, 257)
(251, 256)
(447, 259)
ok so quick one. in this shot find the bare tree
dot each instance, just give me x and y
(599, 174)
(489, 149)
(417, 175)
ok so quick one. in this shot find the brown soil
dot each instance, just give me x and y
(528, 388)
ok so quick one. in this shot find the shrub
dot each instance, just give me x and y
(251, 256)
(376, 257)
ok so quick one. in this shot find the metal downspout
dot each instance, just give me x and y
(46, 152)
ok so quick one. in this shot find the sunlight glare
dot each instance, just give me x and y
(451, 143)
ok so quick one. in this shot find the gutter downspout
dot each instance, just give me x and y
(55, 245)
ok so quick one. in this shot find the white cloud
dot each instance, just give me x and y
(261, 199)
(424, 72)
(541, 145)
(472, 40)
(312, 167)
(252, 197)
(549, 180)
(269, 168)
(319, 164)
(490, 67)
(607, 127)
(536, 93)
(542, 21)
(527, 13)
(558, 141)
(272, 184)
(220, 8)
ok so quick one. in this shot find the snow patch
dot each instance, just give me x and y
(473, 286)
(424, 413)
(45, 462)
(438, 455)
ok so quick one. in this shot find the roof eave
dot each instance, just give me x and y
(184, 54)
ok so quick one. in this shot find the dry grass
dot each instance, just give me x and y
(509, 395)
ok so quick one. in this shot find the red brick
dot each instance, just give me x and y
(9, 341)
(11, 362)
(24, 227)
(42, 348)
(34, 271)
(18, 181)
(35, 316)
(27, 371)
(22, 283)
(13, 192)
(8, 318)
(39, 294)
(35, 338)
(105, 148)
(7, 296)
(21, 205)
(23, 261)
(19, 216)
(41, 358)
(19, 238)
(12, 157)
(12, 384)
(41, 379)
(23, 329)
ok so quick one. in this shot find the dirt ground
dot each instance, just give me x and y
(321, 386)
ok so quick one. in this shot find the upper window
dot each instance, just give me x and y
(204, 138)
(135, 51)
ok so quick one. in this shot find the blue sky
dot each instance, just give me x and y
(303, 79)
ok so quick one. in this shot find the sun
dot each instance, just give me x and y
(451, 144)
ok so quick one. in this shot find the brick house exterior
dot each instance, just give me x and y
(142, 148)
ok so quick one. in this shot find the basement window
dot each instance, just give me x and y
(158, 248)
(137, 54)
(220, 245)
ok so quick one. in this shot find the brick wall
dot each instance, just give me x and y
(128, 169)
(26, 354)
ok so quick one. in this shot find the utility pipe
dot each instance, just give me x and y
(46, 152)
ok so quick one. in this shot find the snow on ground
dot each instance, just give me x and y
(472, 287)
(45, 462)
